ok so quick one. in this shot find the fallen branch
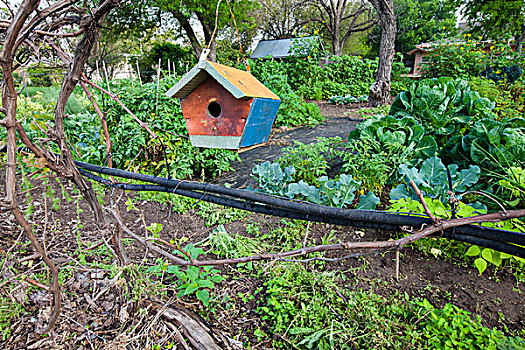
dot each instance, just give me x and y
(364, 247)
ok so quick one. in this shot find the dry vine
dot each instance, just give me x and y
(28, 27)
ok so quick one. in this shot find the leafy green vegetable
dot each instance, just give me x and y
(432, 180)
(443, 106)
(338, 193)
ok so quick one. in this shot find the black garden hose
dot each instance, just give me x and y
(501, 246)
(308, 210)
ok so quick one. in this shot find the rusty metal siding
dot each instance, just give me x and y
(260, 121)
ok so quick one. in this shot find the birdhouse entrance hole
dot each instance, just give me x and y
(214, 109)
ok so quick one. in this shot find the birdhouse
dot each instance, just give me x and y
(225, 107)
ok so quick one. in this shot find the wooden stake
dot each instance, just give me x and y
(169, 68)
(98, 70)
(397, 264)
(107, 77)
(138, 73)
(158, 81)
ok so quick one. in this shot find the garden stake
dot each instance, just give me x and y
(138, 73)
(397, 264)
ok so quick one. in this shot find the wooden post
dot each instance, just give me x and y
(397, 264)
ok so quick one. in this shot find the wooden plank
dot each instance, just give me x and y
(260, 121)
(244, 149)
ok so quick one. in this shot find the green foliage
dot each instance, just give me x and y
(484, 256)
(405, 137)
(368, 112)
(272, 179)
(190, 280)
(443, 106)
(493, 144)
(452, 328)
(468, 57)
(45, 76)
(229, 246)
(514, 182)
(305, 308)
(9, 311)
(418, 21)
(341, 75)
(165, 118)
(432, 180)
(293, 110)
(309, 160)
(494, 19)
(180, 58)
(373, 169)
(506, 106)
(214, 214)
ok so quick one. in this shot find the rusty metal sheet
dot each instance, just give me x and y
(243, 81)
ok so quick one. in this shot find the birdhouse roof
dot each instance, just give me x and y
(239, 83)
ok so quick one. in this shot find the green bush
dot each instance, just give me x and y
(341, 75)
(165, 118)
(505, 105)
(470, 57)
(445, 107)
(307, 309)
(45, 76)
(293, 111)
(309, 160)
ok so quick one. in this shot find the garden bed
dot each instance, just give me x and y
(108, 306)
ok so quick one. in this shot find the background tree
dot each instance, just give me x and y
(418, 22)
(380, 91)
(187, 12)
(282, 19)
(341, 18)
(496, 19)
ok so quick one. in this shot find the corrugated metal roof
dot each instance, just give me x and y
(284, 47)
(238, 82)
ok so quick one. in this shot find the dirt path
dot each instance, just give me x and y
(340, 121)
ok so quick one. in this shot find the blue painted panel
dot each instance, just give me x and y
(260, 121)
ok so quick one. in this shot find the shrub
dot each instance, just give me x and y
(505, 105)
(469, 57)
(165, 118)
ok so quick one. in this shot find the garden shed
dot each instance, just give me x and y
(284, 48)
(225, 107)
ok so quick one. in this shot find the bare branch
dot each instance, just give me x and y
(424, 203)
(115, 98)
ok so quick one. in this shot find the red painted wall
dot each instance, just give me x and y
(199, 122)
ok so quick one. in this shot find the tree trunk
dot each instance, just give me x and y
(380, 91)
(185, 23)
(208, 33)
